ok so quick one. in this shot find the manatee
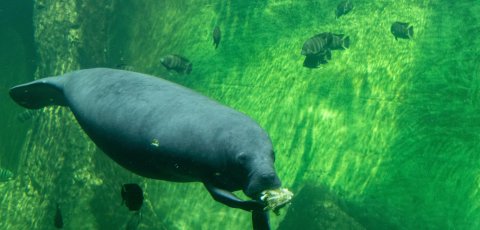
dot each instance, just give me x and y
(162, 130)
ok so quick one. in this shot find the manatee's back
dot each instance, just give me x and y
(157, 128)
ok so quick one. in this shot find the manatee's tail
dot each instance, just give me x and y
(40, 93)
(260, 220)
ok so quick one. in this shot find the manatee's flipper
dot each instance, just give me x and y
(229, 199)
(260, 220)
(40, 93)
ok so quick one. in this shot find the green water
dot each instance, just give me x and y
(384, 136)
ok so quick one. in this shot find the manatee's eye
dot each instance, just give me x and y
(242, 158)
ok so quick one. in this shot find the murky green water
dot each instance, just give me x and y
(384, 136)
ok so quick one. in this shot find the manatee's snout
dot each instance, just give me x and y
(259, 182)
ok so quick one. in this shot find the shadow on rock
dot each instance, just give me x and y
(315, 208)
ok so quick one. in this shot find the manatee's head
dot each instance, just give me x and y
(251, 156)
(260, 173)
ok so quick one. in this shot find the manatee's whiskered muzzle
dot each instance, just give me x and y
(261, 181)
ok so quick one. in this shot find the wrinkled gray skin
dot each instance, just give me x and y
(162, 130)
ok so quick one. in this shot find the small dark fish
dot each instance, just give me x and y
(132, 196)
(402, 30)
(343, 8)
(317, 44)
(58, 221)
(27, 115)
(339, 42)
(217, 36)
(5, 175)
(178, 63)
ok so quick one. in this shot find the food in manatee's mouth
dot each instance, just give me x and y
(275, 199)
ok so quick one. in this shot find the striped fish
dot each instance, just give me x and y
(176, 62)
(27, 115)
(313, 61)
(317, 44)
(339, 42)
(5, 175)
(402, 30)
(343, 8)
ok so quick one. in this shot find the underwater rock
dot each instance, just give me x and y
(315, 208)
(178, 63)
(132, 196)
(217, 35)
(343, 8)
(402, 30)
(5, 175)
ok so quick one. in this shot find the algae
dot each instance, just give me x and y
(387, 128)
